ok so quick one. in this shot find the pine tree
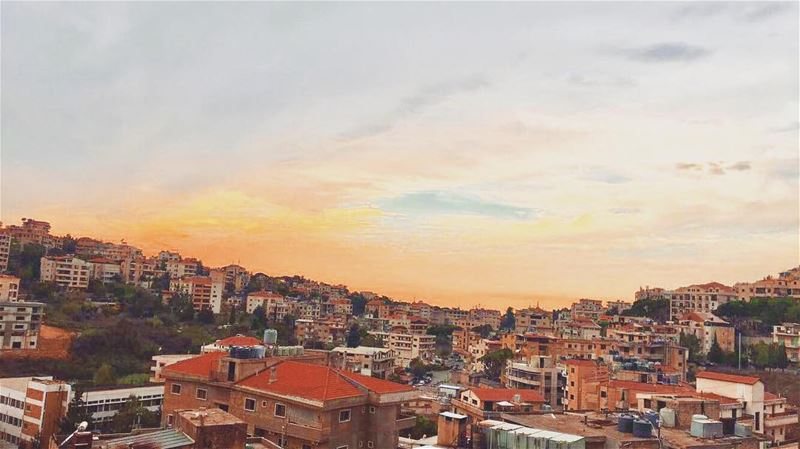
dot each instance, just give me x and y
(716, 354)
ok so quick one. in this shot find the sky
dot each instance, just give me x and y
(460, 153)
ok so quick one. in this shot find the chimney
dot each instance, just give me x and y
(273, 374)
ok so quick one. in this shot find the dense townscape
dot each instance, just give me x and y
(164, 351)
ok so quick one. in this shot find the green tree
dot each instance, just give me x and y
(232, 316)
(495, 361)
(205, 316)
(258, 319)
(180, 304)
(423, 427)
(761, 355)
(483, 330)
(692, 345)
(133, 415)
(359, 303)
(508, 322)
(76, 413)
(417, 367)
(353, 336)
(715, 353)
(781, 360)
(69, 244)
(657, 309)
(105, 375)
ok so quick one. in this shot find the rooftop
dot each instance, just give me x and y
(725, 377)
(506, 394)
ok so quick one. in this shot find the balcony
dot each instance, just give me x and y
(406, 421)
(781, 419)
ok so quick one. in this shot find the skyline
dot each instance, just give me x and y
(565, 151)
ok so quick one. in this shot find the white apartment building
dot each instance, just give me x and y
(376, 362)
(104, 402)
(789, 335)
(407, 347)
(66, 271)
(30, 407)
(182, 267)
(104, 269)
(587, 308)
(699, 298)
(273, 303)
(204, 292)
(786, 285)
(20, 323)
(5, 249)
(9, 288)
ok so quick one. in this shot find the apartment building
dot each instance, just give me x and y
(788, 334)
(236, 277)
(166, 256)
(329, 332)
(587, 308)
(407, 347)
(33, 231)
(786, 285)
(203, 291)
(463, 339)
(105, 270)
(699, 298)
(183, 268)
(5, 248)
(748, 389)
(65, 271)
(532, 319)
(619, 305)
(582, 328)
(540, 374)
(291, 403)
(649, 293)
(20, 323)
(365, 360)
(341, 307)
(307, 310)
(141, 271)
(225, 344)
(577, 372)
(30, 409)
(90, 248)
(275, 306)
(707, 327)
(479, 404)
(9, 288)
(158, 362)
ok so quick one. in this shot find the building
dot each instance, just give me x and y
(33, 231)
(158, 362)
(309, 332)
(236, 278)
(90, 248)
(226, 344)
(407, 347)
(619, 305)
(375, 362)
(5, 248)
(103, 402)
(203, 291)
(539, 374)
(788, 334)
(479, 404)
(30, 409)
(275, 306)
(532, 319)
(578, 371)
(290, 403)
(587, 308)
(182, 268)
(649, 293)
(105, 270)
(20, 323)
(582, 328)
(9, 288)
(65, 271)
(699, 298)
(142, 271)
(786, 285)
(708, 327)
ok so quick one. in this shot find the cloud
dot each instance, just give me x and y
(714, 168)
(665, 52)
(789, 128)
(744, 11)
(625, 210)
(425, 98)
(583, 80)
(449, 203)
(766, 10)
(604, 175)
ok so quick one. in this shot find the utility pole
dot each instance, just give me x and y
(740, 350)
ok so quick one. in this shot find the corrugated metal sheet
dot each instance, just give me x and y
(163, 439)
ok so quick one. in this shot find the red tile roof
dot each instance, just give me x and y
(239, 340)
(201, 366)
(723, 400)
(651, 388)
(769, 397)
(304, 381)
(581, 362)
(724, 377)
(506, 394)
(375, 384)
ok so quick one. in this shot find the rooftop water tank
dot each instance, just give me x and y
(270, 336)
(652, 417)
(625, 423)
(667, 417)
(642, 428)
(743, 430)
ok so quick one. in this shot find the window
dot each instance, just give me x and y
(369, 444)
(344, 415)
(202, 394)
(176, 389)
(372, 409)
(342, 447)
(169, 420)
(280, 410)
(250, 404)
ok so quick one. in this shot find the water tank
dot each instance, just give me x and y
(699, 417)
(743, 430)
(234, 352)
(728, 426)
(642, 428)
(652, 417)
(625, 423)
(667, 417)
(270, 336)
(261, 351)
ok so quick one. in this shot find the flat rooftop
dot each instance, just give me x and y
(209, 417)
(596, 427)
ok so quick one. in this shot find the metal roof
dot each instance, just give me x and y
(162, 439)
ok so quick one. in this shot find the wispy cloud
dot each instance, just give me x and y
(450, 203)
(665, 52)
(604, 175)
(425, 98)
(714, 168)
(585, 80)
(742, 11)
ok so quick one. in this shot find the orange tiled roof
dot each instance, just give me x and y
(201, 365)
(724, 377)
(581, 362)
(239, 340)
(723, 400)
(769, 397)
(375, 384)
(506, 394)
(303, 380)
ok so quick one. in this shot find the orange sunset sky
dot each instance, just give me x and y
(564, 151)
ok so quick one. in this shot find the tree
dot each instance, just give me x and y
(372, 341)
(417, 367)
(495, 361)
(781, 360)
(105, 375)
(258, 320)
(180, 304)
(232, 316)
(692, 345)
(133, 415)
(69, 244)
(353, 336)
(761, 355)
(76, 413)
(423, 427)
(483, 330)
(359, 303)
(715, 353)
(205, 316)
(508, 322)
(656, 309)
